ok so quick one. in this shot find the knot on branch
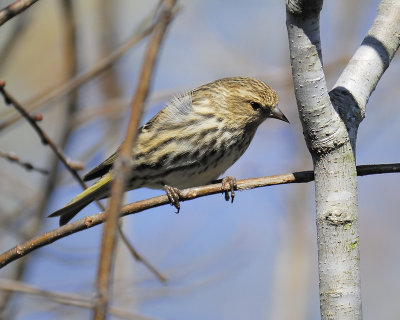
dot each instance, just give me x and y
(338, 218)
(304, 8)
(325, 141)
(88, 222)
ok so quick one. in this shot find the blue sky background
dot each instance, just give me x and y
(253, 259)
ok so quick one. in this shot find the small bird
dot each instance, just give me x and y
(191, 142)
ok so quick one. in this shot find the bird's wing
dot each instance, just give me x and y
(176, 112)
(101, 169)
(97, 191)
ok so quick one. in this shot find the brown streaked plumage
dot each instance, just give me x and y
(191, 142)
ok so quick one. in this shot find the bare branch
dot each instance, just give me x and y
(14, 9)
(75, 82)
(330, 125)
(99, 68)
(187, 194)
(122, 164)
(360, 77)
(70, 165)
(35, 223)
(139, 257)
(26, 165)
(310, 86)
(46, 140)
(64, 298)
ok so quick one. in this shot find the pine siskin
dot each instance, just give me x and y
(191, 142)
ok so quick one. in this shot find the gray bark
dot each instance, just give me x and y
(330, 122)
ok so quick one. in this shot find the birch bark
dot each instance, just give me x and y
(330, 122)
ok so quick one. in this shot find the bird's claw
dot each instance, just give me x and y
(173, 195)
(229, 185)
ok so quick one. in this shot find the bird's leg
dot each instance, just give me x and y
(228, 184)
(173, 195)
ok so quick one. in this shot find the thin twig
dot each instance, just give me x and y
(110, 89)
(100, 67)
(122, 164)
(64, 298)
(187, 194)
(77, 81)
(135, 253)
(142, 31)
(36, 219)
(14, 9)
(9, 99)
(68, 164)
(26, 165)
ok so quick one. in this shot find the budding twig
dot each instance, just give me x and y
(140, 258)
(14, 9)
(27, 165)
(122, 164)
(70, 165)
(185, 195)
(46, 140)
(63, 298)
(80, 79)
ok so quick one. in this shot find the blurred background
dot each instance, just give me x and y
(253, 259)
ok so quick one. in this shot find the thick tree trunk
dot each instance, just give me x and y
(330, 123)
(337, 231)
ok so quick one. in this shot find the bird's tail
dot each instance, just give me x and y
(97, 191)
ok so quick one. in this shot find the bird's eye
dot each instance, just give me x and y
(255, 105)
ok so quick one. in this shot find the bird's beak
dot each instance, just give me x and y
(277, 114)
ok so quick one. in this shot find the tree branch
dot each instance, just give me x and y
(26, 165)
(46, 140)
(14, 9)
(139, 257)
(187, 194)
(50, 95)
(64, 298)
(331, 142)
(309, 79)
(72, 166)
(360, 77)
(122, 165)
(36, 219)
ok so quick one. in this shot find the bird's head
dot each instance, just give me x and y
(240, 99)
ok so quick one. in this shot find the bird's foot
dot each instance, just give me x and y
(173, 195)
(229, 185)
